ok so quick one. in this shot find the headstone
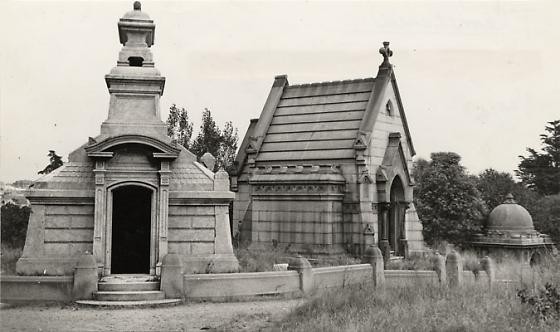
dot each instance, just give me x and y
(172, 276)
(85, 278)
(454, 268)
(305, 271)
(374, 257)
(439, 266)
(487, 266)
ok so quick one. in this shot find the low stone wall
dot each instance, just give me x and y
(300, 279)
(233, 285)
(15, 289)
(341, 276)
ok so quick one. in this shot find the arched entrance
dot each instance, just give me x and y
(396, 217)
(131, 229)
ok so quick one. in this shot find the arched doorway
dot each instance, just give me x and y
(396, 217)
(131, 224)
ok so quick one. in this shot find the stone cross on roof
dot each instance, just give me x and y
(386, 52)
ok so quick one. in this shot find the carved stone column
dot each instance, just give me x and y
(163, 205)
(99, 213)
(403, 206)
(384, 208)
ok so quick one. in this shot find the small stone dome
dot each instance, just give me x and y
(510, 216)
(137, 13)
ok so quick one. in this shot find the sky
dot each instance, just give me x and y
(479, 78)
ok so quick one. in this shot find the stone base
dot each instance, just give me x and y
(21, 289)
(46, 266)
(219, 263)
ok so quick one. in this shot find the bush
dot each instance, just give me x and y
(14, 219)
(447, 201)
(546, 216)
(9, 257)
(544, 303)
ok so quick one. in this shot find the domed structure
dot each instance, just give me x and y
(510, 216)
(511, 234)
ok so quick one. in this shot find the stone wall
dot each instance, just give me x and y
(68, 229)
(191, 229)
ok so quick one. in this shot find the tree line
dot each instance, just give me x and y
(453, 205)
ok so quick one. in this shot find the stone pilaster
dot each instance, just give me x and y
(100, 216)
(164, 175)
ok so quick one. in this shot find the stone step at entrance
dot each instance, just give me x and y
(129, 290)
(129, 296)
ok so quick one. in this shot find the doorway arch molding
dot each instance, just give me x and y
(106, 240)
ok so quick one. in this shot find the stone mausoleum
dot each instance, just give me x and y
(326, 169)
(130, 195)
(511, 234)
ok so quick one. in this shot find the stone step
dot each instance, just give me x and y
(130, 304)
(128, 295)
(129, 286)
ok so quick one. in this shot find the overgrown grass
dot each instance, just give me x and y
(263, 260)
(471, 262)
(260, 260)
(425, 307)
(412, 263)
(8, 258)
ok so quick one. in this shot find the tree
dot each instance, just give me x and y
(222, 144)
(447, 201)
(228, 148)
(541, 171)
(418, 168)
(209, 137)
(494, 187)
(179, 128)
(55, 162)
(14, 219)
(546, 216)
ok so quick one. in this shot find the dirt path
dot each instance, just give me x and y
(236, 316)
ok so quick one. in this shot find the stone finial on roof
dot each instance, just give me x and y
(386, 52)
(208, 160)
(137, 5)
(509, 199)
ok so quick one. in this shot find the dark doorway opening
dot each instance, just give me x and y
(396, 217)
(130, 245)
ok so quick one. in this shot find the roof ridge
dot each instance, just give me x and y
(355, 80)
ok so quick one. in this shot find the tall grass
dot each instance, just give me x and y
(424, 307)
(263, 260)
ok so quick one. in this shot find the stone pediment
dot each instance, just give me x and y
(394, 157)
(102, 149)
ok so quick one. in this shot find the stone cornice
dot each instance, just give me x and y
(54, 197)
(201, 198)
(166, 151)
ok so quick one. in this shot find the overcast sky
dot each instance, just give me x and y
(478, 78)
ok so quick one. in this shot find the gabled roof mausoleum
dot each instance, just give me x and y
(130, 195)
(326, 168)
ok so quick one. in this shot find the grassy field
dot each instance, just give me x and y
(425, 307)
